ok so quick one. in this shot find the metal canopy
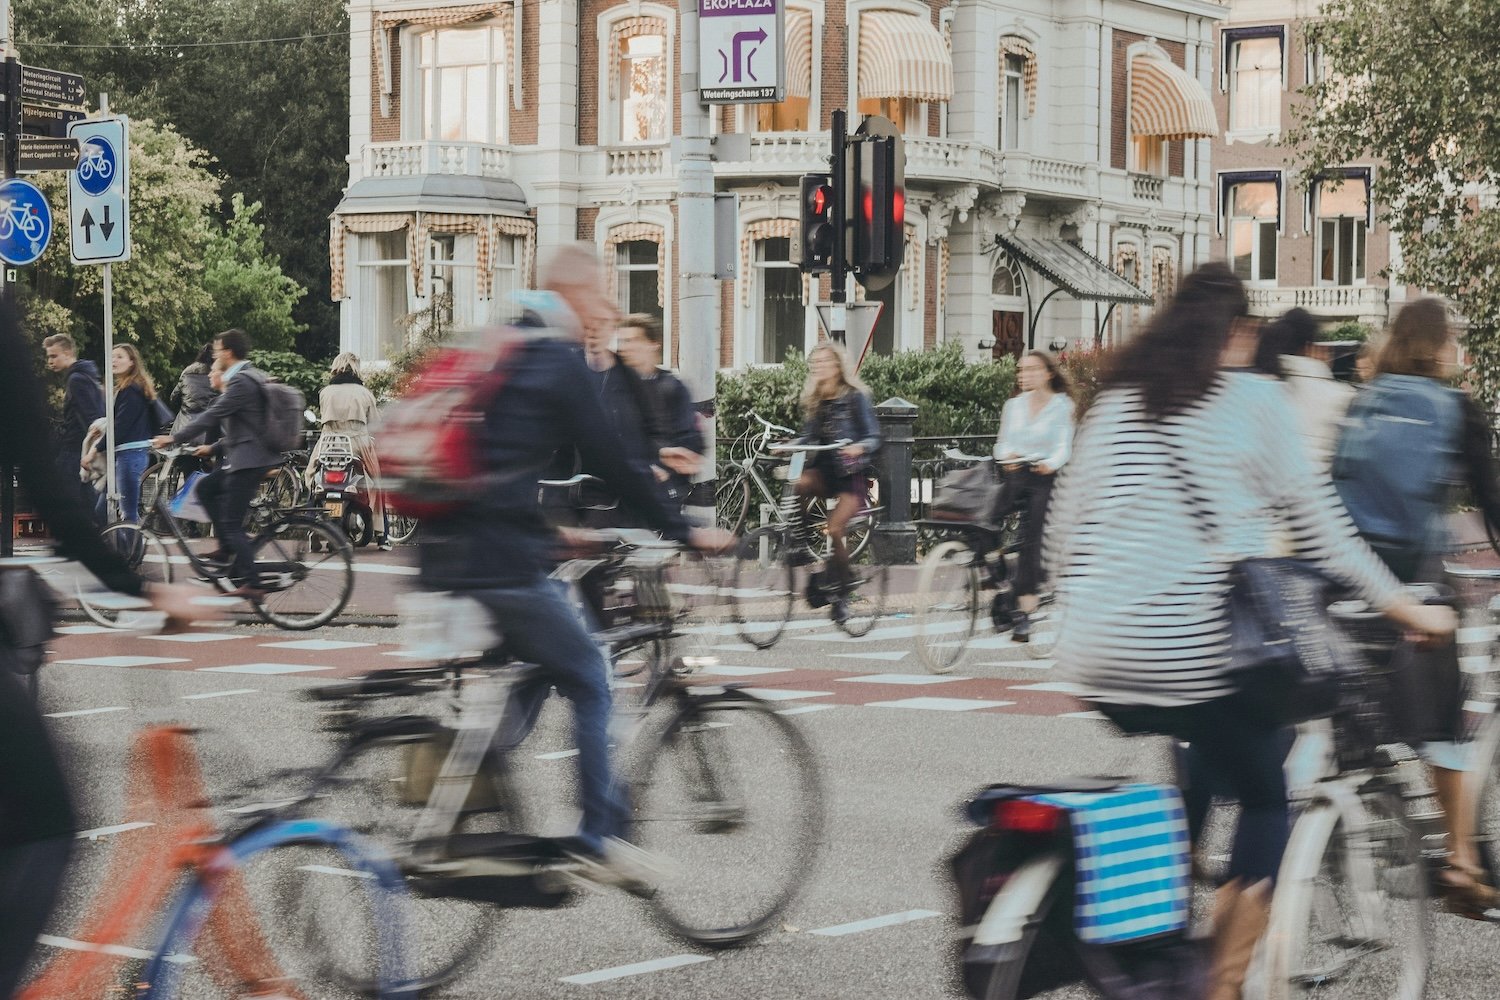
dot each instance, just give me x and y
(1070, 269)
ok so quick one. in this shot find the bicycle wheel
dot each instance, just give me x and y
(865, 597)
(146, 554)
(947, 606)
(399, 528)
(277, 493)
(1350, 916)
(857, 533)
(307, 569)
(762, 586)
(377, 787)
(245, 943)
(732, 504)
(730, 801)
(1486, 767)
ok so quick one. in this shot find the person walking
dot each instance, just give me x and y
(346, 406)
(1179, 471)
(1034, 442)
(244, 457)
(1319, 399)
(83, 403)
(678, 439)
(835, 407)
(37, 820)
(138, 416)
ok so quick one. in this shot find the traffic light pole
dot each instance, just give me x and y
(838, 268)
(11, 70)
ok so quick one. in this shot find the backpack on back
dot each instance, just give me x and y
(285, 406)
(430, 441)
(1397, 459)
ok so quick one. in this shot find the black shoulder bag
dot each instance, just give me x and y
(27, 609)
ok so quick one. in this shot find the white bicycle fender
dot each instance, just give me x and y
(1017, 906)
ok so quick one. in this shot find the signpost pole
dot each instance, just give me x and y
(110, 486)
(12, 138)
(697, 326)
(838, 269)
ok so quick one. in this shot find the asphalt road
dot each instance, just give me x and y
(899, 751)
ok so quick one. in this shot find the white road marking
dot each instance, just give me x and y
(784, 694)
(84, 630)
(1061, 686)
(916, 680)
(1096, 716)
(1028, 664)
(85, 711)
(804, 709)
(638, 968)
(939, 704)
(108, 949)
(219, 694)
(195, 637)
(123, 661)
(731, 629)
(105, 831)
(1480, 707)
(874, 923)
(889, 632)
(320, 645)
(326, 870)
(886, 654)
(1478, 634)
(557, 755)
(728, 671)
(263, 668)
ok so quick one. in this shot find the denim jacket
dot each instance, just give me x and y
(848, 417)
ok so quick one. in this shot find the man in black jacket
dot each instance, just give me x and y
(83, 403)
(670, 415)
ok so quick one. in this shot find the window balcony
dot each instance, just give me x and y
(789, 154)
(637, 161)
(414, 158)
(1366, 303)
(1048, 178)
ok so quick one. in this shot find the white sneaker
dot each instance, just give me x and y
(622, 865)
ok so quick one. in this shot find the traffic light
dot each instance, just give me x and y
(878, 209)
(819, 227)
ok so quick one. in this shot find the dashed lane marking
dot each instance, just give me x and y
(893, 655)
(906, 679)
(1061, 687)
(785, 694)
(328, 870)
(635, 969)
(105, 831)
(196, 637)
(86, 711)
(124, 661)
(728, 671)
(940, 704)
(804, 709)
(875, 923)
(557, 754)
(83, 630)
(1095, 716)
(219, 694)
(263, 668)
(319, 645)
(108, 949)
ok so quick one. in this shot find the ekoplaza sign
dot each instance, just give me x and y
(741, 51)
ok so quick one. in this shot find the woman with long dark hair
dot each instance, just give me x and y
(135, 425)
(1180, 470)
(1035, 440)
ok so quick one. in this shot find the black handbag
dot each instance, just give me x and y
(27, 610)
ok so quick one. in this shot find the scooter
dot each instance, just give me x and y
(342, 488)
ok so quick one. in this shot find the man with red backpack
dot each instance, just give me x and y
(497, 547)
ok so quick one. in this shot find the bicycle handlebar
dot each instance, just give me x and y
(958, 456)
(769, 427)
(841, 443)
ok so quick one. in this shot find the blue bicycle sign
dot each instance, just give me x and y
(25, 222)
(97, 169)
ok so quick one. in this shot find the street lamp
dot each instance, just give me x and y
(1057, 344)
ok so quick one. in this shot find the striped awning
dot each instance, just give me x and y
(799, 56)
(1168, 103)
(902, 55)
(629, 232)
(388, 22)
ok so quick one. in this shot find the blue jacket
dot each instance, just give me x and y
(83, 403)
(548, 404)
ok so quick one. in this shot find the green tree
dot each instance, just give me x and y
(246, 285)
(1414, 84)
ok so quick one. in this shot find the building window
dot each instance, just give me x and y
(1010, 106)
(462, 84)
(1253, 214)
(783, 318)
(1148, 155)
(505, 276)
(790, 115)
(637, 270)
(644, 100)
(1343, 218)
(381, 293)
(908, 115)
(1255, 85)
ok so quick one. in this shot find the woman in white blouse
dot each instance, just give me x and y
(1035, 440)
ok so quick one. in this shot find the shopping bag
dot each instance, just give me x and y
(186, 505)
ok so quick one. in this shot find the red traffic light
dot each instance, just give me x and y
(821, 199)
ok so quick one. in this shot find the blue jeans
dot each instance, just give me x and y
(130, 466)
(541, 626)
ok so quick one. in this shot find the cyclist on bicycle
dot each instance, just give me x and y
(1035, 439)
(835, 407)
(226, 492)
(500, 551)
(1182, 469)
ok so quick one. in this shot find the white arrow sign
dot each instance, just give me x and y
(99, 192)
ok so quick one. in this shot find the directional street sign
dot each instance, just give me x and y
(99, 192)
(741, 51)
(51, 86)
(39, 119)
(25, 222)
(47, 154)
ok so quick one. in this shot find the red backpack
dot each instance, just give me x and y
(430, 441)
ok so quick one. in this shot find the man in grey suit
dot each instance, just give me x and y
(244, 457)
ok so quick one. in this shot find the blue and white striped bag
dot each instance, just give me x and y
(1132, 861)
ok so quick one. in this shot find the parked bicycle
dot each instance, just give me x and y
(304, 562)
(764, 581)
(762, 490)
(725, 790)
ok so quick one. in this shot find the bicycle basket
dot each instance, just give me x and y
(1363, 721)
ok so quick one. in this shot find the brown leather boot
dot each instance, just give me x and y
(1240, 918)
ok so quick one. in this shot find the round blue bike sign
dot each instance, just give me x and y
(97, 169)
(25, 222)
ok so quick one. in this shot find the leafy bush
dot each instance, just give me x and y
(1083, 367)
(295, 370)
(954, 396)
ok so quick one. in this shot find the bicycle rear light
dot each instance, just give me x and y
(1026, 816)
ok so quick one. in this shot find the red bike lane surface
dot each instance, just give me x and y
(240, 655)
